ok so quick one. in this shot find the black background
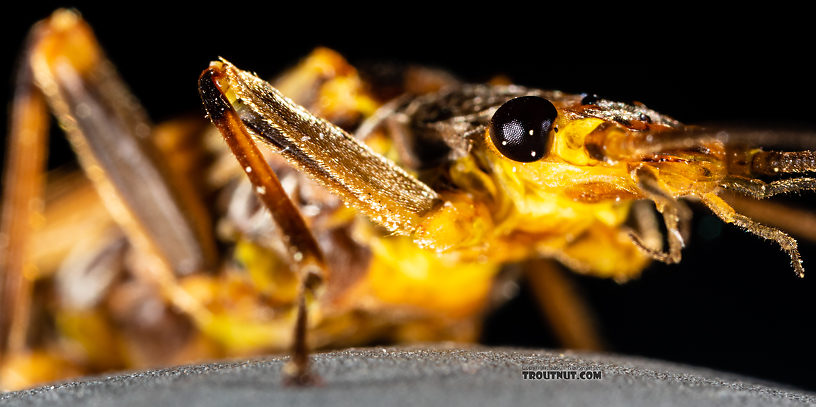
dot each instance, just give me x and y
(733, 304)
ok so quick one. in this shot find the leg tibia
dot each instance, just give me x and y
(758, 189)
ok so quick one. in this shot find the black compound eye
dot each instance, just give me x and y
(520, 128)
(590, 99)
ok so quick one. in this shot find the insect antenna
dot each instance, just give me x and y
(738, 141)
(734, 136)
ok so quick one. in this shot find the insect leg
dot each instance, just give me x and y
(304, 251)
(64, 66)
(729, 215)
(348, 168)
(648, 236)
(23, 183)
(675, 216)
(111, 136)
(758, 189)
(568, 313)
(798, 221)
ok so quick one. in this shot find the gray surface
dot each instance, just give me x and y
(421, 376)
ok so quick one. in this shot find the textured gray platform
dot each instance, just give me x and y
(413, 376)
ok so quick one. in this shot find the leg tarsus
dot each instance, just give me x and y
(657, 254)
(296, 371)
(646, 236)
(784, 240)
(799, 222)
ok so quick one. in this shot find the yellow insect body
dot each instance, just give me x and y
(399, 232)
